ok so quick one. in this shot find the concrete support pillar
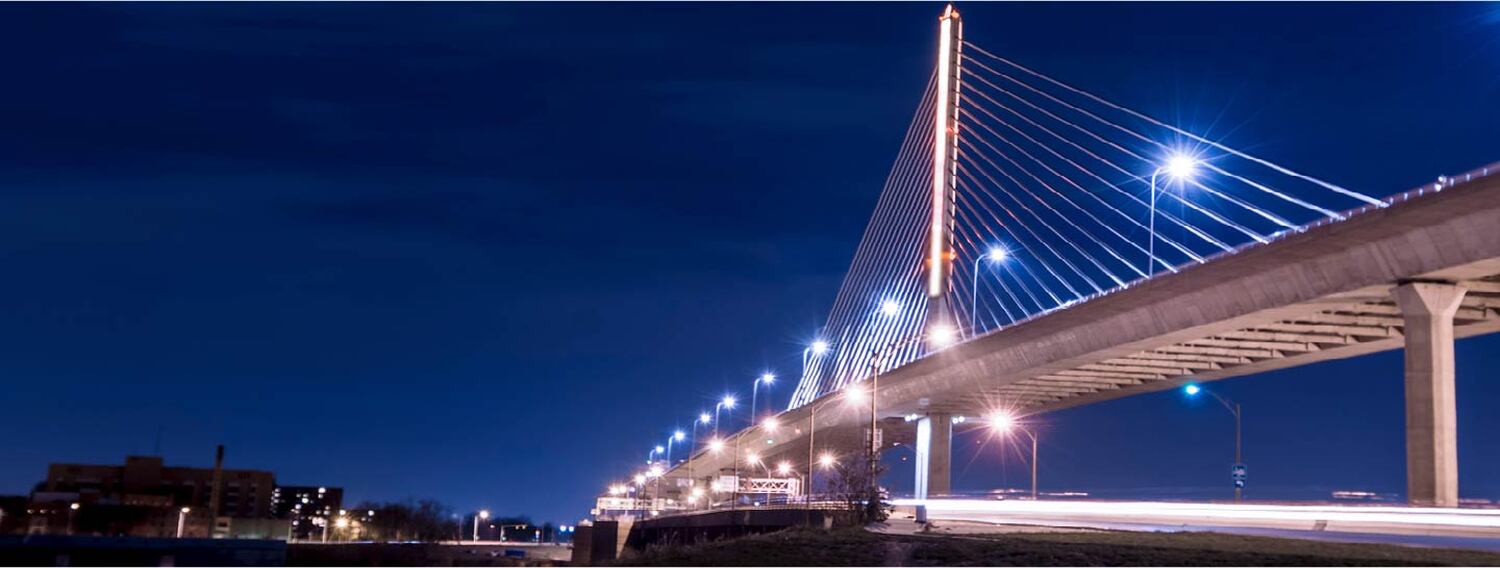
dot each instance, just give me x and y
(934, 455)
(1431, 415)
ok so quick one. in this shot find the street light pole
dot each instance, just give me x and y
(692, 449)
(1004, 423)
(1233, 408)
(181, 520)
(483, 514)
(1178, 167)
(1033, 461)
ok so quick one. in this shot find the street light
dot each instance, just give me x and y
(1234, 408)
(726, 402)
(996, 254)
(767, 378)
(1178, 167)
(677, 436)
(651, 457)
(703, 418)
(483, 514)
(770, 424)
(816, 349)
(182, 519)
(1003, 422)
(890, 308)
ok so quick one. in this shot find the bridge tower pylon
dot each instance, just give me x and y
(935, 430)
(940, 251)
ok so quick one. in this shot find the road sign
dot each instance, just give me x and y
(1238, 473)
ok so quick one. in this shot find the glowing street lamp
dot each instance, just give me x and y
(816, 349)
(1192, 389)
(770, 424)
(942, 335)
(997, 254)
(890, 308)
(767, 378)
(182, 519)
(1178, 167)
(483, 514)
(1004, 423)
(677, 436)
(655, 451)
(727, 402)
(703, 418)
(827, 460)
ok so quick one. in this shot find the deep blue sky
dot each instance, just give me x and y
(490, 253)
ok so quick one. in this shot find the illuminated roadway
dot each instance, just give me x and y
(1420, 526)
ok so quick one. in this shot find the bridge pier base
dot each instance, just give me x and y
(934, 455)
(1431, 413)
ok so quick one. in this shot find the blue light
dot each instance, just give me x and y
(1191, 389)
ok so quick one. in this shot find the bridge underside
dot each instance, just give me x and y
(1323, 294)
(1339, 326)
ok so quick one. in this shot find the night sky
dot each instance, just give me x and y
(492, 254)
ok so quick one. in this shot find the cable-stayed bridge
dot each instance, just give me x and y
(1036, 247)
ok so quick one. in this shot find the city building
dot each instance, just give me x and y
(145, 497)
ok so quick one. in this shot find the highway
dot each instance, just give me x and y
(1414, 526)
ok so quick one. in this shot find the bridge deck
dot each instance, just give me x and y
(1312, 296)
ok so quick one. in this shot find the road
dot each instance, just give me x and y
(1414, 526)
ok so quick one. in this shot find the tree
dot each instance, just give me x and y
(425, 520)
(855, 483)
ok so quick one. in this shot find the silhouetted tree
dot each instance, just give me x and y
(856, 484)
(423, 520)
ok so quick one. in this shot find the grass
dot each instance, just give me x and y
(852, 547)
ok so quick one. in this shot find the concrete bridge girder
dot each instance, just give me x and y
(1322, 294)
